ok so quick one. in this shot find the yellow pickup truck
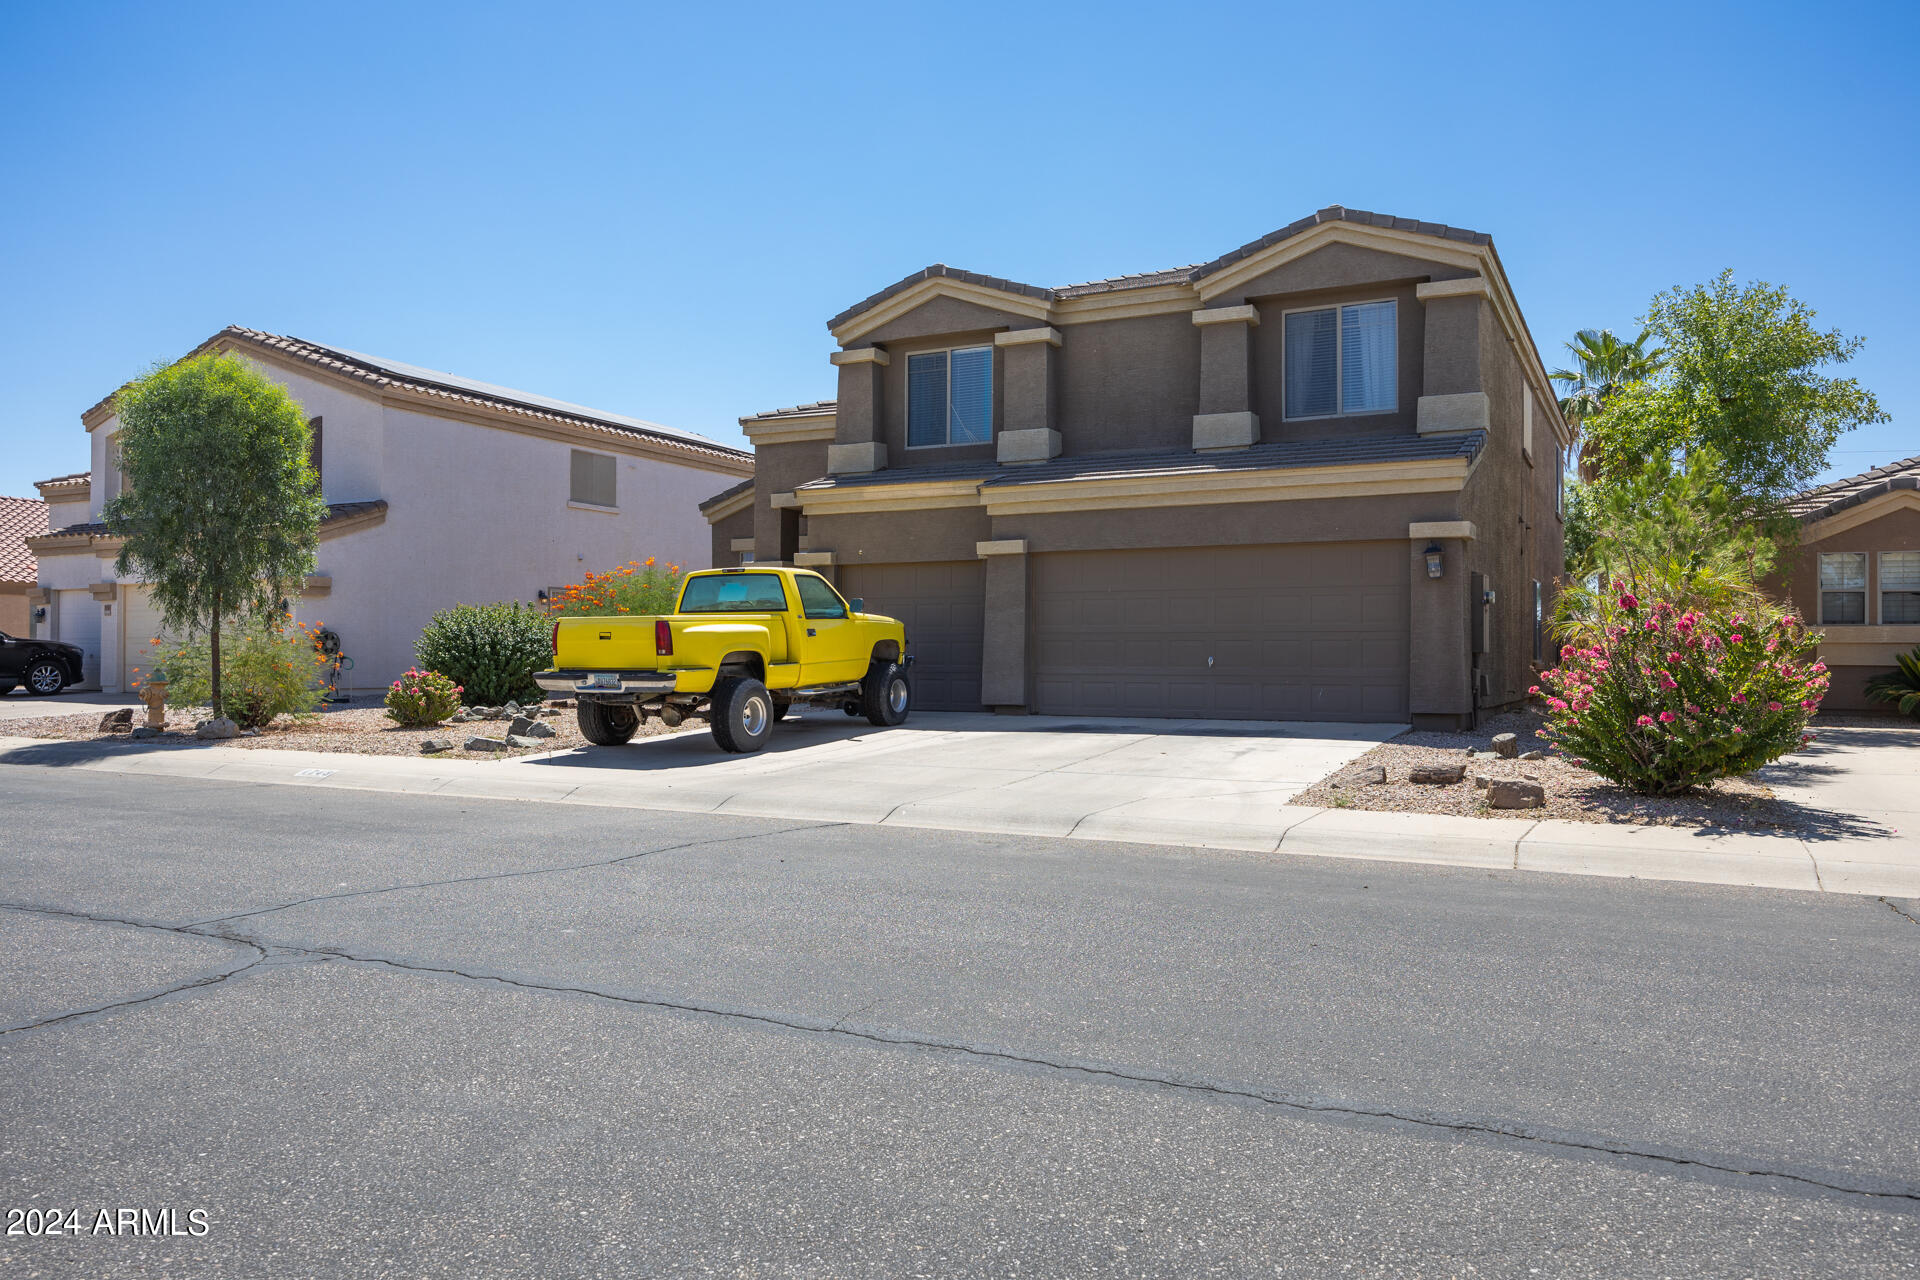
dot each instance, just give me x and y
(744, 646)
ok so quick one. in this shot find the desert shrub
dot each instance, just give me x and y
(420, 698)
(1899, 688)
(636, 587)
(1661, 699)
(490, 650)
(270, 666)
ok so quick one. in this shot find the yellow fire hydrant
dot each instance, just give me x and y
(154, 694)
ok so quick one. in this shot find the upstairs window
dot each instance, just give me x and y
(1843, 587)
(950, 397)
(1342, 360)
(592, 479)
(1899, 586)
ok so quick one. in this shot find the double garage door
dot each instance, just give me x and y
(1313, 631)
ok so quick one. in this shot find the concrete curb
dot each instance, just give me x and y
(1243, 817)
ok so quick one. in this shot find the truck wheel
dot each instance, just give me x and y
(742, 714)
(886, 695)
(607, 724)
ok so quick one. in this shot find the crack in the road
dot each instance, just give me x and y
(1908, 916)
(508, 875)
(1572, 1141)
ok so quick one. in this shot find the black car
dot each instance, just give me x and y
(44, 666)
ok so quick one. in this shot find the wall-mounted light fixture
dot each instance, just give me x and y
(40, 613)
(541, 595)
(1435, 562)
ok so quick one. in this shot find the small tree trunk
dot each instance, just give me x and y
(215, 676)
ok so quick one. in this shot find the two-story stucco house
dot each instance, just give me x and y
(1317, 478)
(440, 490)
(1856, 575)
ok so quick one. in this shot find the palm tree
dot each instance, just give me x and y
(1604, 364)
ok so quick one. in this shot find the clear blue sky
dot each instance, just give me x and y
(654, 211)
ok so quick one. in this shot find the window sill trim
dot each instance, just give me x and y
(593, 506)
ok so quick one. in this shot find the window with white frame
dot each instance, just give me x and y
(592, 479)
(1843, 587)
(1341, 360)
(950, 397)
(1899, 587)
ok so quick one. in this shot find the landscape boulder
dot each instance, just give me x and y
(538, 730)
(1437, 775)
(520, 725)
(117, 721)
(1515, 793)
(1506, 744)
(430, 745)
(138, 731)
(486, 744)
(217, 729)
(1371, 776)
(1533, 755)
(519, 740)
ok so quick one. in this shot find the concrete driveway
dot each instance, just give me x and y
(1037, 775)
(1872, 774)
(21, 705)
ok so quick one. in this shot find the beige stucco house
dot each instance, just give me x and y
(440, 490)
(1316, 478)
(1856, 575)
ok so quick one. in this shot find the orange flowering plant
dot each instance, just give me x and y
(270, 666)
(421, 698)
(636, 587)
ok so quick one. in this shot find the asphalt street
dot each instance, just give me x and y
(390, 1035)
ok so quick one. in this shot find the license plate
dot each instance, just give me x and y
(603, 680)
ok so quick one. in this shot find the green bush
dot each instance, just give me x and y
(1662, 699)
(1900, 687)
(269, 666)
(490, 650)
(420, 698)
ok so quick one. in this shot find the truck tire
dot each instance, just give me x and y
(742, 714)
(607, 724)
(886, 695)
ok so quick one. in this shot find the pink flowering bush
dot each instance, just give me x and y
(1661, 699)
(421, 698)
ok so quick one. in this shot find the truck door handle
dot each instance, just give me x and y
(810, 631)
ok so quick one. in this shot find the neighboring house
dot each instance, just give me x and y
(440, 490)
(1856, 576)
(1213, 491)
(20, 519)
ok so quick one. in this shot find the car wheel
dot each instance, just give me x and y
(742, 714)
(607, 724)
(45, 677)
(886, 695)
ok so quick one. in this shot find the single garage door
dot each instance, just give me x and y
(943, 608)
(1313, 631)
(140, 628)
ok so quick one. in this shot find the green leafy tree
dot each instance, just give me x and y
(219, 508)
(1602, 365)
(1742, 381)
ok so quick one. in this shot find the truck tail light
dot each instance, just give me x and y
(662, 638)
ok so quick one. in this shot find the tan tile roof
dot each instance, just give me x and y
(1835, 497)
(98, 529)
(1198, 271)
(812, 409)
(75, 480)
(381, 372)
(20, 519)
(725, 494)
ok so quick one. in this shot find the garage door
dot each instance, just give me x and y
(76, 617)
(1298, 632)
(942, 605)
(140, 627)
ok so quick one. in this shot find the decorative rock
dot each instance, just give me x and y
(1437, 775)
(117, 721)
(139, 731)
(1480, 780)
(213, 730)
(486, 744)
(511, 708)
(520, 725)
(1512, 793)
(516, 740)
(538, 730)
(460, 717)
(1485, 755)
(1506, 744)
(430, 745)
(1373, 776)
(1533, 755)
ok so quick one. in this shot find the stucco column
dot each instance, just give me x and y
(1452, 395)
(1225, 417)
(859, 438)
(1439, 657)
(1003, 650)
(1028, 431)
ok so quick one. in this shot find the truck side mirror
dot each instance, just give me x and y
(857, 605)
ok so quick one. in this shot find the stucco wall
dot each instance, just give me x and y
(1855, 653)
(725, 530)
(1128, 384)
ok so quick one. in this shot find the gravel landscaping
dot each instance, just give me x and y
(364, 730)
(1570, 792)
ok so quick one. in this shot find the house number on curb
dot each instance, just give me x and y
(314, 773)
